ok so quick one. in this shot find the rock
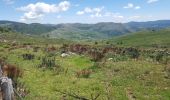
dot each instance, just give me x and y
(71, 53)
(64, 55)
(110, 59)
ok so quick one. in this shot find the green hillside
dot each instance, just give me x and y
(75, 34)
(86, 72)
(10, 36)
(33, 28)
(145, 38)
(79, 31)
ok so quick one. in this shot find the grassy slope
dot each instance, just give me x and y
(131, 75)
(22, 38)
(75, 34)
(145, 38)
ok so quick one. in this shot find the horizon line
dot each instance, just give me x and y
(87, 23)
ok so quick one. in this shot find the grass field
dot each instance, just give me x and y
(119, 78)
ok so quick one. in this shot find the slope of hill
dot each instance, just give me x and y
(78, 31)
(159, 24)
(145, 38)
(88, 31)
(34, 28)
(9, 36)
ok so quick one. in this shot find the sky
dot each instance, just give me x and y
(83, 11)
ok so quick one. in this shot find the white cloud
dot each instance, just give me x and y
(94, 12)
(38, 10)
(152, 1)
(140, 17)
(96, 15)
(88, 10)
(137, 7)
(135, 17)
(131, 6)
(114, 15)
(121, 17)
(80, 12)
(99, 12)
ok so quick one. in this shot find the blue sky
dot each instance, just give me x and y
(83, 11)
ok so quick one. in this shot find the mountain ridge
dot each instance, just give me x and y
(101, 30)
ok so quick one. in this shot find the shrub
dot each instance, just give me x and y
(107, 42)
(132, 52)
(64, 48)
(85, 73)
(12, 72)
(159, 56)
(28, 56)
(5, 29)
(96, 43)
(96, 55)
(78, 48)
(21, 89)
(95, 66)
(167, 72)
(47, 62)
(116, 57)
(35, 49)
(51, 49)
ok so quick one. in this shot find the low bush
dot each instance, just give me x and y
(96, 55)
(47, 62)
(85, 73)
(133, 53)
(28, 56)
(11, 71)
(167, 72)
(35, 49)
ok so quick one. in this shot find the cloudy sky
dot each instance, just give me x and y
(83, 11)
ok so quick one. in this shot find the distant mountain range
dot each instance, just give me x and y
(80, 31)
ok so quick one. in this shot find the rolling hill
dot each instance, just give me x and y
(145, 38)
(9, 36)
(33, 28)
(78, 31)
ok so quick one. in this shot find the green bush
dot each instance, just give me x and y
(47, 62)
(28, 56)
(133, 53)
